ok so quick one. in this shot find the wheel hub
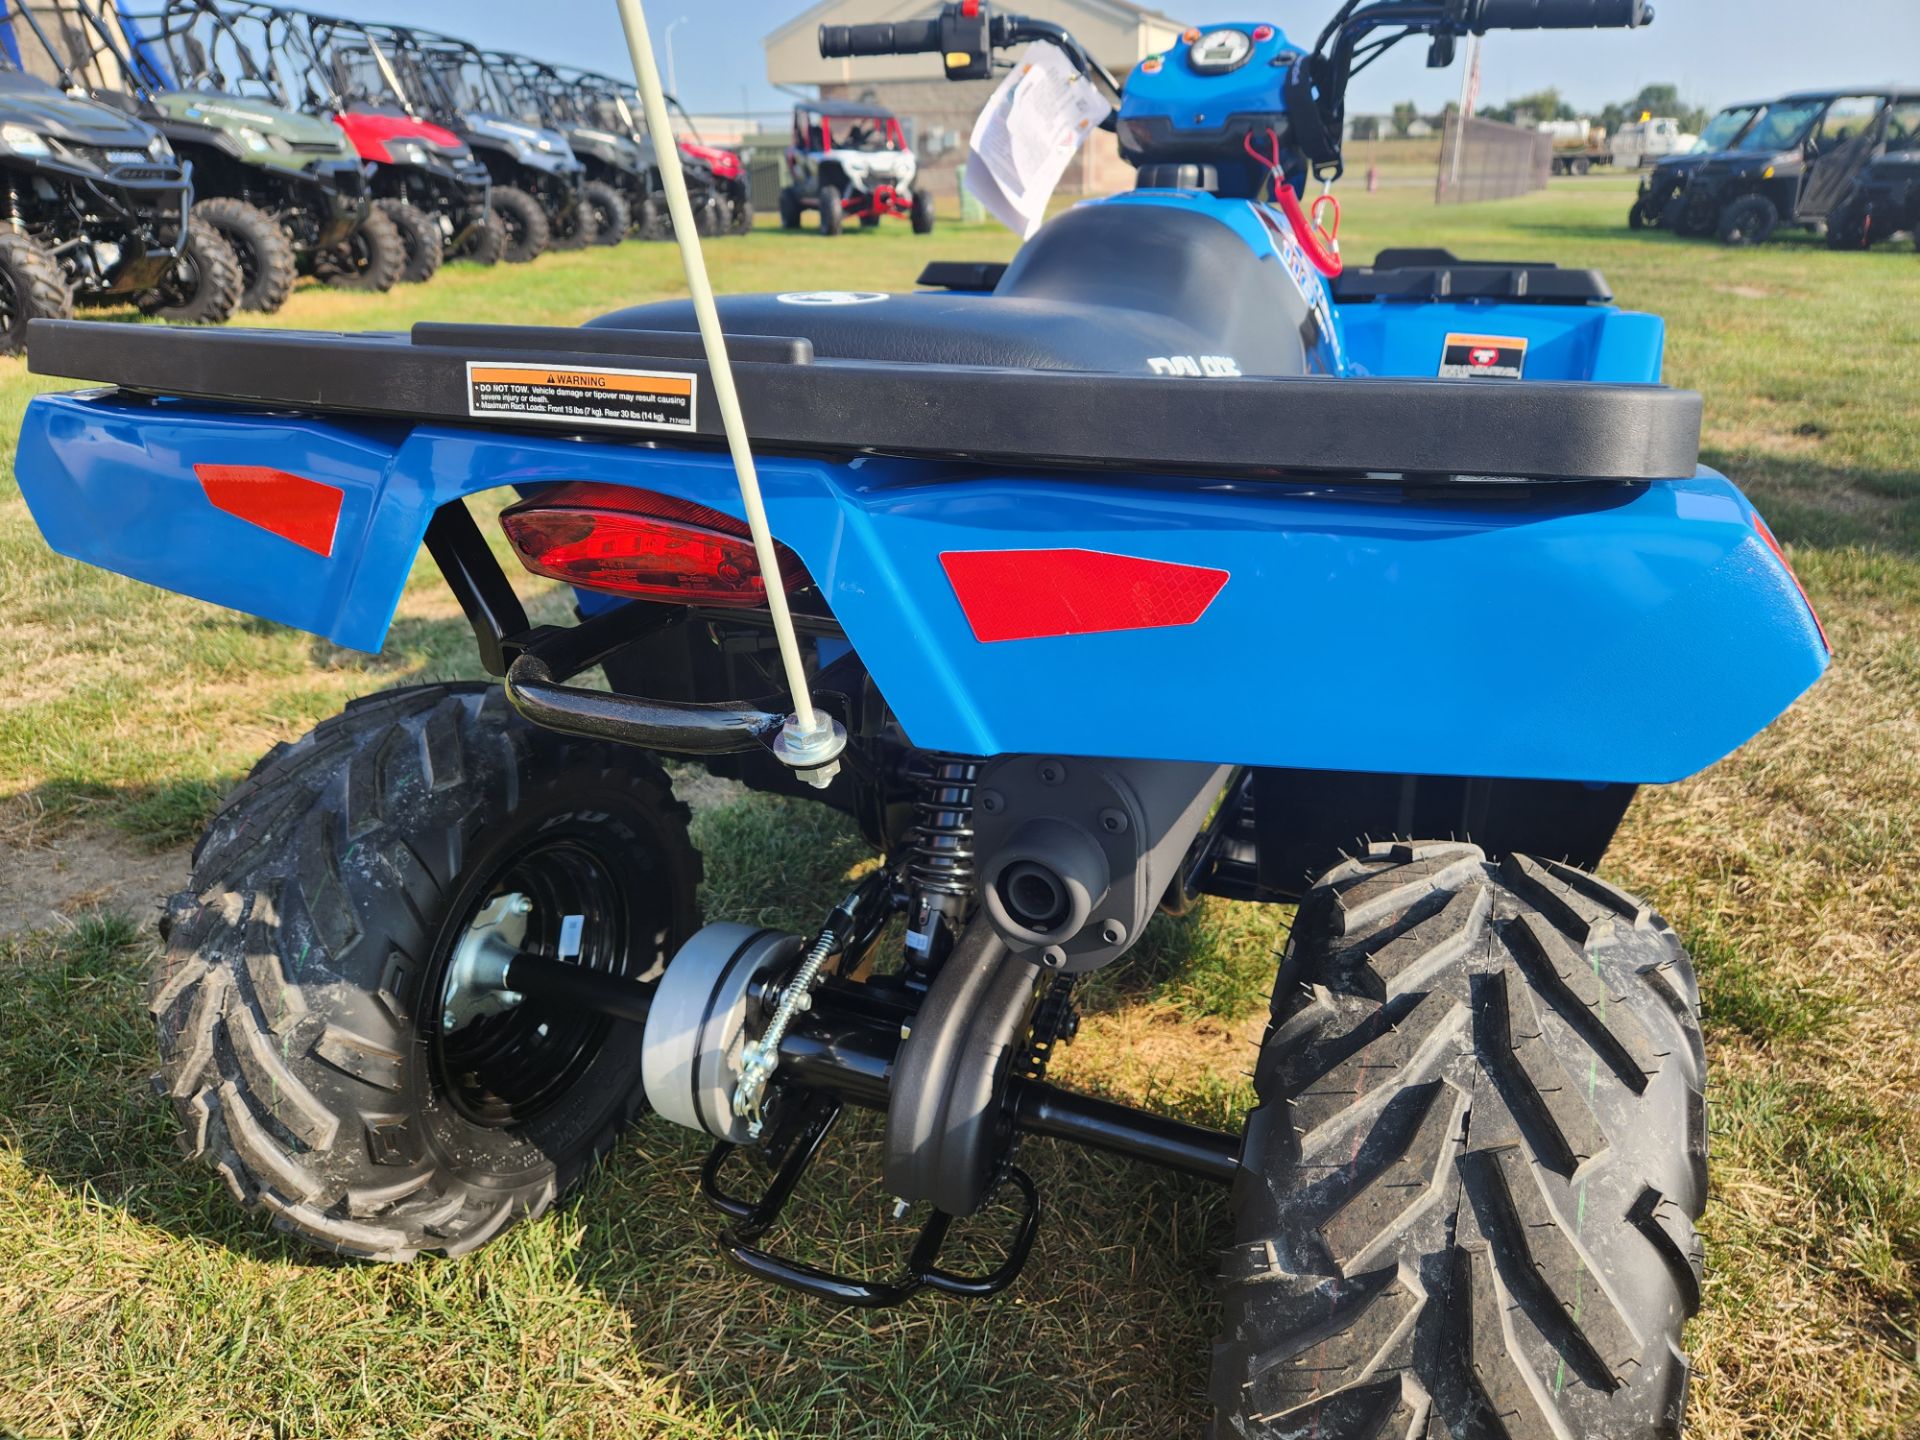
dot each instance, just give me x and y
(475, 983)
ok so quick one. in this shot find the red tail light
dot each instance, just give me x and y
(639, 544)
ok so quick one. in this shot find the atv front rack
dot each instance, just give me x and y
(1432, 430)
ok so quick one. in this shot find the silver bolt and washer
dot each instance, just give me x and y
(813, 755)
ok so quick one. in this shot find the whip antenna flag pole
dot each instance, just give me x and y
(810, 742)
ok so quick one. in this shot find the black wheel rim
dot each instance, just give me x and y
(506, 1069)
(9, 302)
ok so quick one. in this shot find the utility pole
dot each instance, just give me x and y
(673, 75)
(1469, 98)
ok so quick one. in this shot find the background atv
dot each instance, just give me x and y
(619, 171)
(96, 206)
(1794, 166)
(719, 168)
(1886, 197)
(851, 160)
(537, 181)
(596, 112)
(280, 187)
(1659, 203)
(424, 177)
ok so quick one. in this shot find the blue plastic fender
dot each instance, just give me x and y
(1605, 634)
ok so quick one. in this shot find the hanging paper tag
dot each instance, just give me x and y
(1023, 141)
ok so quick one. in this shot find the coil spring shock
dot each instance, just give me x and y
(940, 870)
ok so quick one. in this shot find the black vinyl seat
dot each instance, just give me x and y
(1104, 288)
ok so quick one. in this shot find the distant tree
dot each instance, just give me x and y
(1542, 105)
(1404, 114)
(1656, 100)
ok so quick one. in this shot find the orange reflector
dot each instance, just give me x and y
(307, 512)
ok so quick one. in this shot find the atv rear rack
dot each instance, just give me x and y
(1370, 429)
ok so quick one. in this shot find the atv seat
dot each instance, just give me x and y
(1108, 288)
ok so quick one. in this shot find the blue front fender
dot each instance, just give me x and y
(1616, 634)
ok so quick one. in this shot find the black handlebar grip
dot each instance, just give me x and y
(1562, 14)
(910, 37)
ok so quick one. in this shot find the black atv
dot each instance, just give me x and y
(279, 186)
(95, 208)
(620, 171)
(538, 183)
(603, 123)
(1794, 166)
(1886, 197)
(1659, 203)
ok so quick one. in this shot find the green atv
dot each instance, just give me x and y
(285, 190)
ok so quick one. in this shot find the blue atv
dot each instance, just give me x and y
(1173, 559)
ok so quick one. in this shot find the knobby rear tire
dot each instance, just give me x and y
(612, 216)
(39, 289)
(421, 238)
(268, 267)
(1468, 1190)
(298, 995)
(371, 259)
(205, 286)
(525, 223)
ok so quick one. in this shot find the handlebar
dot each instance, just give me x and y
(966, 34)
(1562, 14)
(909, 37)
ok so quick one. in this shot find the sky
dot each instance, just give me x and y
(1717, 51)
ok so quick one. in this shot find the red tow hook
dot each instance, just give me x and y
(1322, 246)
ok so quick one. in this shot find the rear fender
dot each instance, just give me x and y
(1597, 633)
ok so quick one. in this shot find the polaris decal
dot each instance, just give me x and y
(1213, 366)
(637, 399)
(1483, 357)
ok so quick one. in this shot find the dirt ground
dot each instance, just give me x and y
(46, 879)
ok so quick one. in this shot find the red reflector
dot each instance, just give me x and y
(1781, 555)
(636, 543)
(307, 512)
(1034, 594)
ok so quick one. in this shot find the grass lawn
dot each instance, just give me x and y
(135, 1300)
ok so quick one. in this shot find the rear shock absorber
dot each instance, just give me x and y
(940, 860)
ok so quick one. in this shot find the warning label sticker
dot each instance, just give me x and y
(638, 399)
(1483, 357)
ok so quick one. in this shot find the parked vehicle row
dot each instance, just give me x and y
(196, 157)
(1842, 162)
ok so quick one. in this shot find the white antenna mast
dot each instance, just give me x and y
(810, 742)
